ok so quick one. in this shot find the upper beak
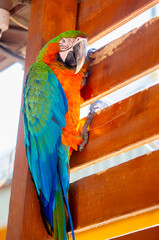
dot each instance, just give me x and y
(80, 51)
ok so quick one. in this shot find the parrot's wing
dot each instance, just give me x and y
(44, 109)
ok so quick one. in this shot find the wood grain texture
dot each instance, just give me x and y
(121, 127)
(98, 18)
(25, 220)
(117, 191)
(123, 61)
(151, 233)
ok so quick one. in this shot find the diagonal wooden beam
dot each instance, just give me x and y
(123, 61)
(121, 127)
(99, 17)
(115, 192)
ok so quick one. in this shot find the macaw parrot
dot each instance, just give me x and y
(51, 113)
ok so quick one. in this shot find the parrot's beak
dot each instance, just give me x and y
(80, 51)
(74, 57)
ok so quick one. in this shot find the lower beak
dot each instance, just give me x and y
(80, 51)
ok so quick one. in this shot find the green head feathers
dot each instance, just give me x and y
(68, 34)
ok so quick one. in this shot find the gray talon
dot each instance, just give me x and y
(84, 80)
(85, 133)
(86, 75)
(89, 58)
(98, 105)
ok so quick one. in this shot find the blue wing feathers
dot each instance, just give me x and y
(64, 98)
(59, 118)
(45, 180)
(45, 100)
(34, 150)
(63, 153)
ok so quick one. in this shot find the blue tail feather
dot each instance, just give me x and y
(67, 206)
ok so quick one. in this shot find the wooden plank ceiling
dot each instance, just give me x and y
(13, 41)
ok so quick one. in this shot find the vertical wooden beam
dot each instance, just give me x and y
(48, 19)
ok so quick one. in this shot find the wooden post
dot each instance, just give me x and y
(48, 19)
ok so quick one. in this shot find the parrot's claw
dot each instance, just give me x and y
(89, 53)
(86, 75)
(85, 133)
(88, 72)
(96, 106)
(84, 81)
(85, 136)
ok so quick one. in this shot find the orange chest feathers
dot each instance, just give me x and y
(71, 84)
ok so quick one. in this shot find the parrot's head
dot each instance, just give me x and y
(72, 49)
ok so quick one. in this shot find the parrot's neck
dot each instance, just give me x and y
(49, 53)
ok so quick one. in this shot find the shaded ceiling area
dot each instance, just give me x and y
(13, 41)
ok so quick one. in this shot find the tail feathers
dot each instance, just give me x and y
(46, 223)
(56, 212)
(59, 222)
(68, 209)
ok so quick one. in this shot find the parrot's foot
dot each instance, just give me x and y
(89, 59)
(86, 75)
(96, 106)
(85, 133)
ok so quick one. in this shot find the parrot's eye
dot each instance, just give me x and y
(66, 43)
(63, 40)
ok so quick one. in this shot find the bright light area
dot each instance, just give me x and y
(11, 81)
(4, 206)
(139, 85)
(114, 161)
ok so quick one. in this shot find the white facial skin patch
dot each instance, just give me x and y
(67, 45)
